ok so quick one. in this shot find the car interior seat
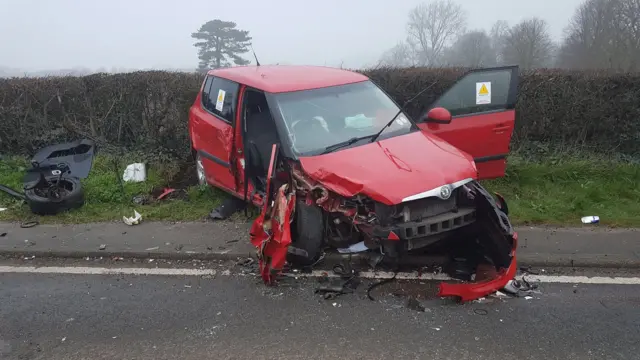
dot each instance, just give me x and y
(260, 135)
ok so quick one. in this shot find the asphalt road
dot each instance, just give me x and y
(48, 316)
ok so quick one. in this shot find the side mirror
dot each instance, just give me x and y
(438, 115)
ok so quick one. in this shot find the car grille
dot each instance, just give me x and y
(427, 207)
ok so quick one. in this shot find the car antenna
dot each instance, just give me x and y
(254, 55)
(374, 138)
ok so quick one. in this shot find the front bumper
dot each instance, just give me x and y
(473, 291)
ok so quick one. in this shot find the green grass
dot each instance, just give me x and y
(561, 192)
(108, 199)
(555, 192)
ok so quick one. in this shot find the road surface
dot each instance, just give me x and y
(234, 316)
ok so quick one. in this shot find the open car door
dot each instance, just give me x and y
(270, 231)
(482, 106)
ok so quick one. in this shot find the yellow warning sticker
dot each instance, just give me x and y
(483, 93)
(220, 100)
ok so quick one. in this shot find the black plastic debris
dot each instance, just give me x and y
(346, 284)
(229, 206)
(414, 304)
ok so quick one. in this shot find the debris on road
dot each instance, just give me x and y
(134, 220)
(513, 287)
(415, 305)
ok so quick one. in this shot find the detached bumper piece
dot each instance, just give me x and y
(498, 241)
(271, 234)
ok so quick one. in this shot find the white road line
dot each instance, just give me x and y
(80, 270)
(85, 270)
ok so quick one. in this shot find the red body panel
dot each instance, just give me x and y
(271, 231)
(283, 78)
(214, 137)
(484, 136)
(473, 291)
(392, 169)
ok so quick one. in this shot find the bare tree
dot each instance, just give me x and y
(472, 49)
(603, 34)
(398, 56)
(630, 18)
(432, 27)
(498, 34)
(528, 44)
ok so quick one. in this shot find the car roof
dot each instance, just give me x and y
(287, 78)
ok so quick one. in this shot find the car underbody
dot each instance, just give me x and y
(304, 217)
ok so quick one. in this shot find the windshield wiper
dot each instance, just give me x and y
(345, 143)
(376, 136)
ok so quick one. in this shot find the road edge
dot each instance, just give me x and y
(525, 260)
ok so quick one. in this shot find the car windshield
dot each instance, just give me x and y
(321, 118)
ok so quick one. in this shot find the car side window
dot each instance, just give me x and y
(477, 92)
(222, 98)
(205, 91)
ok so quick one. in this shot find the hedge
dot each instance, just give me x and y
(149, 110)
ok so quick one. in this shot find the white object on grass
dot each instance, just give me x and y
(135, 220)
(590, 219)
(135, 172)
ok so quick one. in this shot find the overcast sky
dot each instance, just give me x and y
(55, 34)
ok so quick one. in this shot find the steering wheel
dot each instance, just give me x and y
(310, 132)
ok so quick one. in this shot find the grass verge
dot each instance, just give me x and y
(554, 192)
(108, 198)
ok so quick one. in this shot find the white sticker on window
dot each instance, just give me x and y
(220, 101)
(483, 93)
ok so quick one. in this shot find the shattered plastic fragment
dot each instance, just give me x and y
(355, 248)
(135, 220)
(513, 286)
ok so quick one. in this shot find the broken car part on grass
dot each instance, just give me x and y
(52, 183)
(333, 162)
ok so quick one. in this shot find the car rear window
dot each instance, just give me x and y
(219, 96)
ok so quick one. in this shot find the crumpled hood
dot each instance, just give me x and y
(392, 169)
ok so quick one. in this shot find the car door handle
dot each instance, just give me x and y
(501, 128)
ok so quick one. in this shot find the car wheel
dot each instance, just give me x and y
(307, 234)
(202, 178)
(63, 194)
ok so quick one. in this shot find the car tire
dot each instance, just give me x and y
(200, 174)
(71, 198)
(307, 234)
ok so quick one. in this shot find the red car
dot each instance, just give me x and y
(333, 161)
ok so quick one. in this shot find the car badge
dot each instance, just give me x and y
(445, 192)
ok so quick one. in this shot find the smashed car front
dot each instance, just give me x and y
(386, 185)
